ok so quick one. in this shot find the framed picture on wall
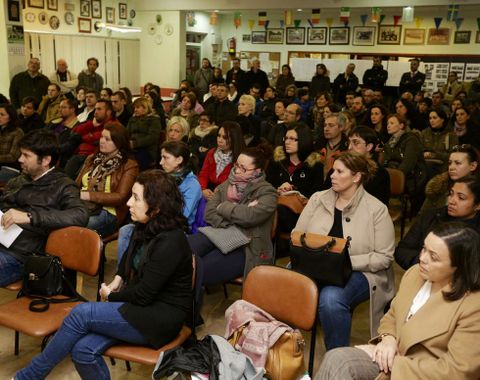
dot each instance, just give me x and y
(363, 36)
(122, 11)
(13, 10)
(414, 36)
(259, 37)
(317, 36)
(462, 37)
(52, 5)
(275, 36)
(85, 8)
(295, 36)
(36, 3)
(84, 25)
(389, 34)
(246, 37)
(339, 35)
(110, 15)
(440, 36)
(97, 8)
(477, 37)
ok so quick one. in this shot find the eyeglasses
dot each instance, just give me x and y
(457, 148)
(356, 142)
(241, 168)
(288, 138)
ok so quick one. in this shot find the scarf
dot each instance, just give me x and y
(180, 175)
(460, 130)
(103, 166)
(239, 181)
(392, 142)
(199, 132)
(222, 160)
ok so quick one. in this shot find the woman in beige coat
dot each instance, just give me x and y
(348, 211)
(433, 326)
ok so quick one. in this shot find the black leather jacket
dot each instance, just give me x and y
(54, 202)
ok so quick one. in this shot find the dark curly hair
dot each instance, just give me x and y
(165, 202)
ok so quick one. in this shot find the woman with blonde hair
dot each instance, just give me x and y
(144, 128)
(177, 129)
(247, 120)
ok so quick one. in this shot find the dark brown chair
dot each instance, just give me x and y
(288, 296)
(398, 212)
(79, 249)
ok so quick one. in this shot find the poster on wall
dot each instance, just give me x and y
(472, 71)
(436, 75)
(459, 68)
(15, 34)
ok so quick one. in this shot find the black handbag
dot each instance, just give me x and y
(43, 277)
(324, 259)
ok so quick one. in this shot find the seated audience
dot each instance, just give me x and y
(187, 109)
(348, 211)
(119, 105)
(150, 297)
(233, 94)
(157, 106)
(144, 128)
(89, 109)
(81, 97)
(203, 137)
(291, 115)
(106, 180)
(10, 137)
(40, 200)
(219, 161)
(28, 118)
(221, 109)
(463, 205)
(49, 106)
(246, 200)
(128, 94)
(106, 93)
(322, 100)
(273, 127)
(406, 109)
(304, 102)
(178, 129)
(432, 328)
(466, 129)
(290, 93)
(267, 108)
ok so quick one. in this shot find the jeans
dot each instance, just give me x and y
(85, 334)
(124, 235)
(335, 309)
(11, 269)
(104, 223)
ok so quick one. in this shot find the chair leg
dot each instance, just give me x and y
(17, 343)
(112, 361)
(311, 359)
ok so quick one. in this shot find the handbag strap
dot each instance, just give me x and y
(327, 245)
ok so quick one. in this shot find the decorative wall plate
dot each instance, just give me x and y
(43, 18)
(54, 22)
(132, 13)
(69, 18)
(30, 17)
(168, 29)
(159, 19)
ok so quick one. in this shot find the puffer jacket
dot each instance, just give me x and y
(307, 179)
(255, 222)
(436, 192)
(54, 202)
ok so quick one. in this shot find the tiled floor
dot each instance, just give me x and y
(212, 312)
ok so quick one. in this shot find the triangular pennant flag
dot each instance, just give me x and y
(418, 21)
(310, 22)
(315, 16)
(288, 18)
(344, 14)
(382, 17)
(237, 19)
(363, 19)
(396, 19)
(376, 14)
(282, 23)
(438, 21)
(452, 13)
(213, 18)
(329, 21)
(458, 22)
(297, 23)
(251, 23)
(262, 17)
(407, 14)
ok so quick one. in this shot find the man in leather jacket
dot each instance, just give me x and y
(40, 200)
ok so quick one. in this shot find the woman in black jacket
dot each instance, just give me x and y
(463, 206)
(148, 300)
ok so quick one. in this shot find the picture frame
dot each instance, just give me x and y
(339, 35)
(52, 5)
(96, 8)
(85, 8)
(462, 37)
(275, 36)
(246, 37)
(84, 25)
(295, 36)
(440, 36)
(110, 15)
(122, 11)
(477, 37)
(414, 36)
(69, 7)
(389, 34)
(259, 37)
(363, 36)
(36, 4)
(69, 18)
(317, 36)
(13, 10)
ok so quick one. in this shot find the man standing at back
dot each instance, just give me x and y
(375, 77)
(28, 83)
(235, 74)
(255, 76)
(89, 78)
(344, 83)
(40, 200)
(412, 81)
(67, 80)
(202, 78)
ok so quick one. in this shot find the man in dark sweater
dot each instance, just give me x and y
(255, 76)
(375, 77)
(222, 109)
(119, 103)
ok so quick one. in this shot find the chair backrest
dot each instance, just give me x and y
(79, 248)
(397, 182)
(288, 296)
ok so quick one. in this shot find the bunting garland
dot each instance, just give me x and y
(237, 19)
(418, 21)
(329, 21)
(344, 14)
(376, 14)
(262, 17)
(315, 16)
(396, 19)
(382, 17)
(213, 18)
(407, 14)
(251, 23)
(310, 22)
(452, 13)
(297, 23)
(478, 23)
(282, 23)
(363, 19)
(438, 21)
(266, 23)
(458, 22)
(288, 18)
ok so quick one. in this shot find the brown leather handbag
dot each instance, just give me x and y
(285, 359)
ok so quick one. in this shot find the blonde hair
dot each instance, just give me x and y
(182, 122)
(145, 103)
(249, 100)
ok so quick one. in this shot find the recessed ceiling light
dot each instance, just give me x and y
(299, 10)
(216, 10)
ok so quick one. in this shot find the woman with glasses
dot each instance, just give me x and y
(203, 137)
(463, 205)
(463, 161)
(295, 167)
(247, 201)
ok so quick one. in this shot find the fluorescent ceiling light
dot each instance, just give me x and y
(120, 28)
